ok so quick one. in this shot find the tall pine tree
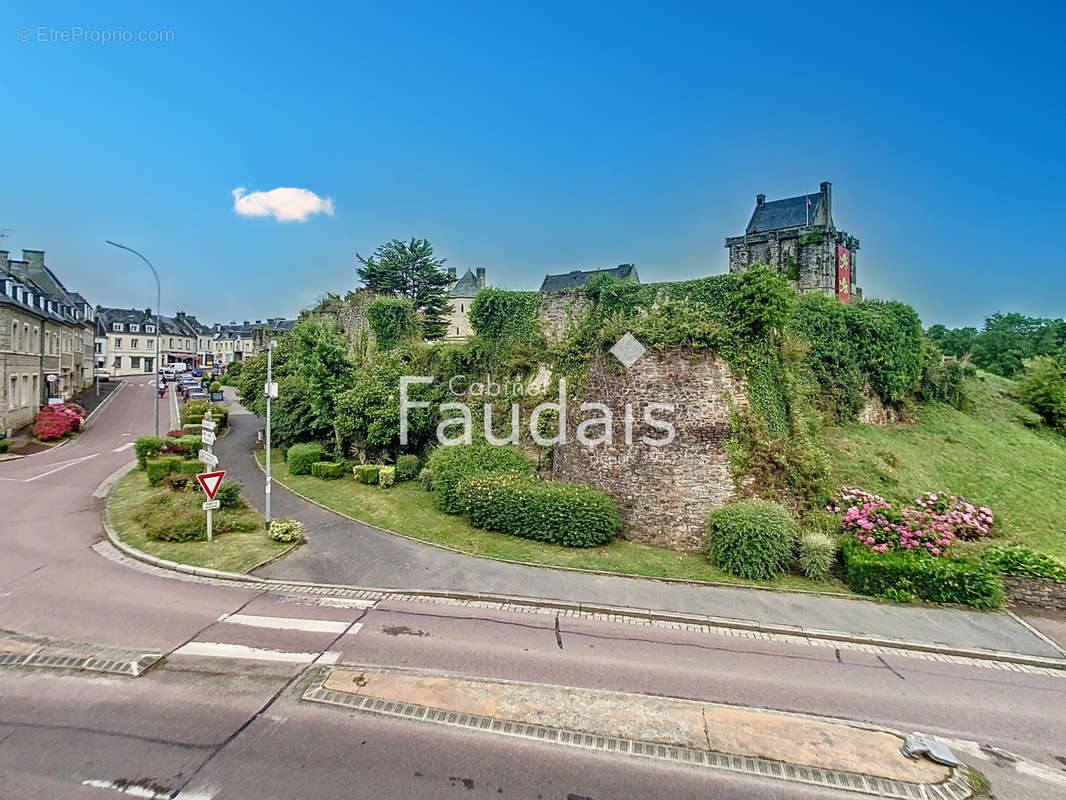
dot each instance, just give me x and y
(410, 270)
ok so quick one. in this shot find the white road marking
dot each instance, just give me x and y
(143, 791)
(286, 623)
(120, 448)
(63, 465)
(222, 650)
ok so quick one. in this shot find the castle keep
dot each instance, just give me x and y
(797, 237)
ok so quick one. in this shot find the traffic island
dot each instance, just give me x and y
(759, 743)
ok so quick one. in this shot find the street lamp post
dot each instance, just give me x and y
(157, 304)
(269, 392)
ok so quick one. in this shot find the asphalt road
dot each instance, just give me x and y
(212, 726)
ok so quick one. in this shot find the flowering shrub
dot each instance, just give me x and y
(174, 434)
(286, 530)
(55, 422)
(931, 524)
(967, 520)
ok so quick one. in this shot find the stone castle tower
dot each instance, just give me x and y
(797, 236)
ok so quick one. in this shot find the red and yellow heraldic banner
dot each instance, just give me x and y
(843, 273)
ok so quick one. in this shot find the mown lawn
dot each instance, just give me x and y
(986, 454)
(134, 505)
(408, 509)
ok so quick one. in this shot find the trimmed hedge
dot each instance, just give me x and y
(301, 457)
(904, 576)
(192, 413)
(327, 470)
(147, 447)
(386, 476)
(406, 467)
(159, 468)
(366, 473)
(448, 465)
(545, 511)
(752, 539)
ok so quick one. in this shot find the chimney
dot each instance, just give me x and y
(481, 277)
(451, 273)
(827, 199)
(148, 312)
(35, 258)
(760, 199)
(4, 259)
(180, 316)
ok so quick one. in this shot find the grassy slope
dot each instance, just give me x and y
(985, 454)
(408, 509)
(233, 552)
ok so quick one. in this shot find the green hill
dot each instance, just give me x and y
(994, 453)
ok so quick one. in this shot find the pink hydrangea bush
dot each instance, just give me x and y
(931, 524)
(55, 422)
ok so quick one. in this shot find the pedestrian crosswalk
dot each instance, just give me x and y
(267, 629)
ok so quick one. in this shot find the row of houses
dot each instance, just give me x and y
(46, 339)
(126, 339)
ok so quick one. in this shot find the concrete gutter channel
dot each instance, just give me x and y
(765, 744)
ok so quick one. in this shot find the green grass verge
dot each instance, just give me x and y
(408, 509)
(992, 454)
(232, 552)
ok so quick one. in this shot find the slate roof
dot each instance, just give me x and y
(63, 309)
(466, 286)
(577, 278)
(788, 213)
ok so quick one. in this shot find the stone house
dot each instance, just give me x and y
(46, 339)
(797, 236)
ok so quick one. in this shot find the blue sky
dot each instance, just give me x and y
(535, 138)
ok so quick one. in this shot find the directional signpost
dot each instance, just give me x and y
(209, 481)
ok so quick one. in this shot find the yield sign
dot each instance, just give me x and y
(210, 481)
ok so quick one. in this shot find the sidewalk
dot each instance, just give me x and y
(342, 551)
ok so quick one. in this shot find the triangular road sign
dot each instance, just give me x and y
(210, 481)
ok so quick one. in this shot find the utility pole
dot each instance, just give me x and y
(157, 304)
(271, 391)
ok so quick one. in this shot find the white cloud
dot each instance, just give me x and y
(285, 204)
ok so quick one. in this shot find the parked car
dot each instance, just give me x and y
(197, 373)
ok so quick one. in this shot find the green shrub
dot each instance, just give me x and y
(216, 386)
(192, 468)
(393, 321)
(406, 467)
(229, 495)
(147, 447)
(4, 444)
(902, 576)
(1043, 390)
(366, 473)
(191, 442)
(327, 470)
(302, 456)
(817, 554)
(752, 539)
(286, 530)
(545, 511)
(159, 468)
(1016, 559)
(386, 476)
(450, 464)
(192, 413)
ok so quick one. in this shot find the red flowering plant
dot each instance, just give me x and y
(931, 524)
(55, 422)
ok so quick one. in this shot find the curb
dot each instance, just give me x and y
(649, 615)
(89, 420)
(563, 568)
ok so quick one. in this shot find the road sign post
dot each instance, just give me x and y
(270, 391)
(209, 481)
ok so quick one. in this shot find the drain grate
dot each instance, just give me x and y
(26, 651)
(955, 788)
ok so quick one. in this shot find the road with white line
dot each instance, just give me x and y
(221, 717)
